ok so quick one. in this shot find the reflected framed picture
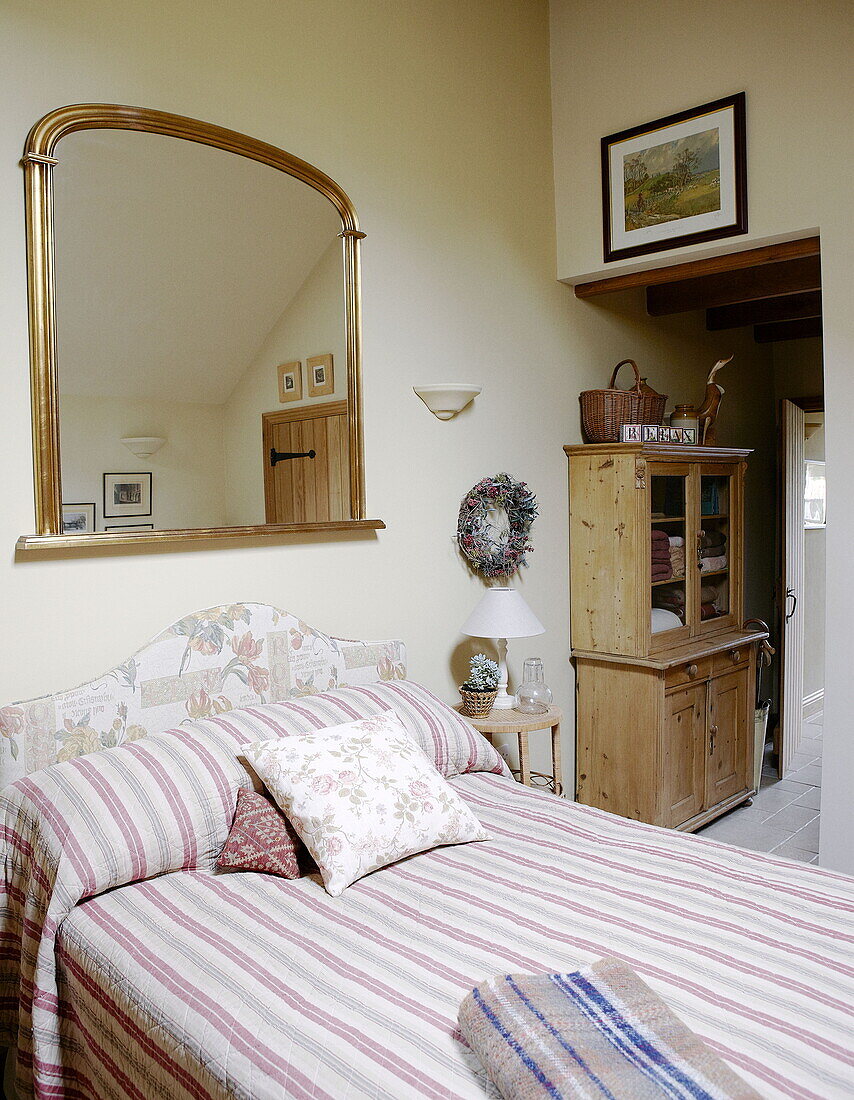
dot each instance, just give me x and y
(320, 378)
(815, 494)
(290, 381)
(127, 495)
(78, 519)
(129, 527)
(676, 181)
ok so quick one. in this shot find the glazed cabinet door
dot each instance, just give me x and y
(671, 501)
(718, 547)
(684, 755)
(729, 765)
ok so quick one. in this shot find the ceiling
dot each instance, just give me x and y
(775, 289)
(174, 261)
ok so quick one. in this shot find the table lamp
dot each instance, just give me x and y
(502, 614)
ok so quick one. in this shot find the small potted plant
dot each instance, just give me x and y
(479, 690)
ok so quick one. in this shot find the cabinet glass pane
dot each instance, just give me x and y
(667, 551)
(714, 547)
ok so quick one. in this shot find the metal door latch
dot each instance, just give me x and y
(282, 456)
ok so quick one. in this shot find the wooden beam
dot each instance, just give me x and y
(746, 285)
(787, 330)
(711, 265)
(788, 307)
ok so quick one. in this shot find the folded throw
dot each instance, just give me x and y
(712, 538)
(713, 551)
(676, 540)
(709, 565)
(597, 1032)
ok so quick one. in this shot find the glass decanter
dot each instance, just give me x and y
(534, 695)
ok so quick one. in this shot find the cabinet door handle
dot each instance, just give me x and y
(735, 656)
(713, 732)
(692, 671)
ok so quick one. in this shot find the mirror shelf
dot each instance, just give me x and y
(104, 540)
(53, 377)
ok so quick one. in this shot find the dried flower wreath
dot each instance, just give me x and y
(493, 557)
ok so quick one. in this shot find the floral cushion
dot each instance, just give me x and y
(362, 795)
(261, 839)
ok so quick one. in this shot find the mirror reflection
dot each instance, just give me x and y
(201, 350)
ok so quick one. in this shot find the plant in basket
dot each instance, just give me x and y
(479, 691)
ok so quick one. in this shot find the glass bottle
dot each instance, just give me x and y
(534, 695)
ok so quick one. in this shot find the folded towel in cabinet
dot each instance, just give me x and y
(598, 1031)
(713, 551)
(709, 593)
(710, 565)
(708, 611)
(712, 538)
(676, 540)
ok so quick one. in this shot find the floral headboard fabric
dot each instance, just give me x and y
(207, 663)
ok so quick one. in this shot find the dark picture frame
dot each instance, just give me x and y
(128, 526)
(70, 518)
(670, 187)
(116, 508)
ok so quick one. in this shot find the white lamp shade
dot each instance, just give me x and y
(502, 613)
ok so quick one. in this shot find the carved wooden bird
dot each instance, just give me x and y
(708, 411)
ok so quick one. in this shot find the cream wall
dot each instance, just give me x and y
(614, 65)
(435, 117)
(187, 472)
(311, 324)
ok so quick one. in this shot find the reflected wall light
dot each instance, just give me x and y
(143, 446)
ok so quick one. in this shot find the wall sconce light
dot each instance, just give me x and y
(143, 446)
(448, 398)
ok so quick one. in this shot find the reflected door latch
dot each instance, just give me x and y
(282, 456)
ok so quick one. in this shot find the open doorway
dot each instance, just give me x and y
(772, 294)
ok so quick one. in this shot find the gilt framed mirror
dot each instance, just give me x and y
(181, 278)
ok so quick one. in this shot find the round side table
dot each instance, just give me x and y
(514, 721)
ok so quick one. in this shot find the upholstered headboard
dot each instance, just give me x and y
(206, 663)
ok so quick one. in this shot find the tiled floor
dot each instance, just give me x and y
(784, 817)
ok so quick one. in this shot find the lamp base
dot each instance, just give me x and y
(503, 701)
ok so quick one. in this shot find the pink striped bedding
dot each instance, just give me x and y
(135, 970)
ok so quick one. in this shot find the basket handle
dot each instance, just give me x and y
(637, 386)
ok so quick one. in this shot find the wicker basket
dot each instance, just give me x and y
(477, 704)
(604, 412)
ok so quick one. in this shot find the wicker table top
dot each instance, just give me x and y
(514, 721)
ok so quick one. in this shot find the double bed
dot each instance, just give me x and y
(131, 968)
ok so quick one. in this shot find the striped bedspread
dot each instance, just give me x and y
(193, 984)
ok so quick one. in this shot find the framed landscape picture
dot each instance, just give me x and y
(78, 519)
(679, 180)
(127, 495)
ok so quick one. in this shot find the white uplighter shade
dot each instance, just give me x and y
(448, 398)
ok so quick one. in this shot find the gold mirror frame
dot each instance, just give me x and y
(39, 161)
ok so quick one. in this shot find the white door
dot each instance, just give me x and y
(792, 610)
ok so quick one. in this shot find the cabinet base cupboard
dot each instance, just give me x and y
(664, 674)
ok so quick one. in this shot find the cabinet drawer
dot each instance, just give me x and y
(730, 660)
(690, 673)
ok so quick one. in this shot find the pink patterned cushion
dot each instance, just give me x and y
(261, 839)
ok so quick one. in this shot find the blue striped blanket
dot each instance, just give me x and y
(600, 1032)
